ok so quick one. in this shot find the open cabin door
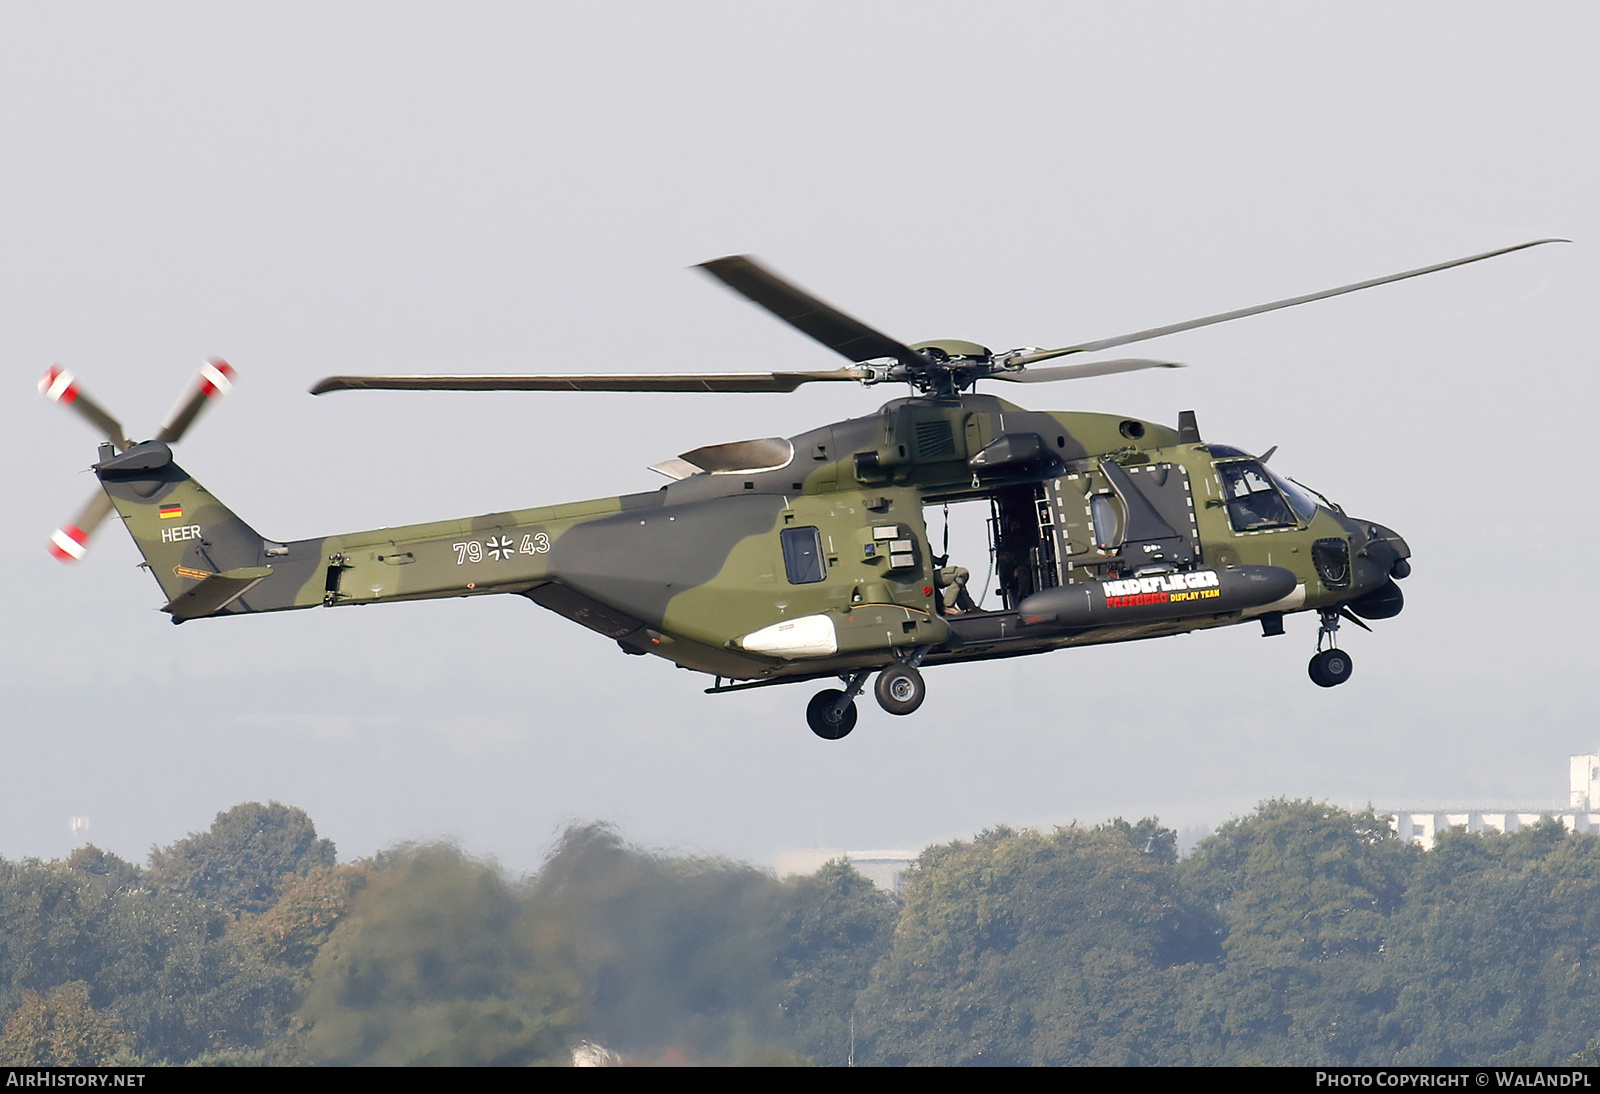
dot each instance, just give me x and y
(1001, 537)
(1099, 521)
(1022, 542)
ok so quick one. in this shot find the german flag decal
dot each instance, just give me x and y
(171, 512)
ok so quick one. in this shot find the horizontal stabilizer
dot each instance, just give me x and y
(215, 592)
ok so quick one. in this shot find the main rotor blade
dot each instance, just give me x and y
(71, 541)
(1078, 372)
(807, 314)
(667, 381)
(215, 378)
(1223, 317)
(60, 386)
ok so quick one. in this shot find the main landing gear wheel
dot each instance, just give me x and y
(1329, 668)
(819, 715)
(900, 689)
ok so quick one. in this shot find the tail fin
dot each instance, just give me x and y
(203, 556)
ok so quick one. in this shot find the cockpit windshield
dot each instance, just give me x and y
(1257, 498)
(1303, 504)
(1254, 502)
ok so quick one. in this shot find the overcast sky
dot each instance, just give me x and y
(312, 189)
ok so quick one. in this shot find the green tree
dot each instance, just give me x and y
(61, 1029)
(674, 952)
(1024, 947)
(835, 925)
(157, 960)
(1498, 948)
(240, 863)
(292, 931)
(1306, 892)
(51, 929)
(436, 964)
(110, 872)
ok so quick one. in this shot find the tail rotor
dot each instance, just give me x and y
(71, 541)
(212, 382)
(60, 386)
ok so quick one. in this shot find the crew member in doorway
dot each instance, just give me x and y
(1012, 557)
(952, 582)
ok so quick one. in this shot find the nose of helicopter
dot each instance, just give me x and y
(1400, 569)
(1386, 548)
(1379, 556)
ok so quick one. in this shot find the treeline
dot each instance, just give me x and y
(1301, 934)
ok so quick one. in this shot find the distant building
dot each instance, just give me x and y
(1585, 782)
(1582, 813)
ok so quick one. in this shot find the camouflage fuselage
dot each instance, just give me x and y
(692, 571)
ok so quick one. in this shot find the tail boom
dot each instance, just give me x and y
(209, 562)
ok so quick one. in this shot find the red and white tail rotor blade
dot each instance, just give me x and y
(69, 542)
(215, 378)
(60, 386)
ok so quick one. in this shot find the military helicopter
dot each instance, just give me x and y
(783, 560)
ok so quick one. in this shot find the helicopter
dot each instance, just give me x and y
(786, 560)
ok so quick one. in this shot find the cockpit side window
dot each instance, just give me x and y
(1254, 502)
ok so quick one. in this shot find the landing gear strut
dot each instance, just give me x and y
(1330, 666)
(831, 714)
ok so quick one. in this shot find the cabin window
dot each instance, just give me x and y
(802, 555)
(1107, 528)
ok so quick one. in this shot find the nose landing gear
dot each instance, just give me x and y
(1330, 666)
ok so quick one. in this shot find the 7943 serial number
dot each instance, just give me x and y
(497, 548)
